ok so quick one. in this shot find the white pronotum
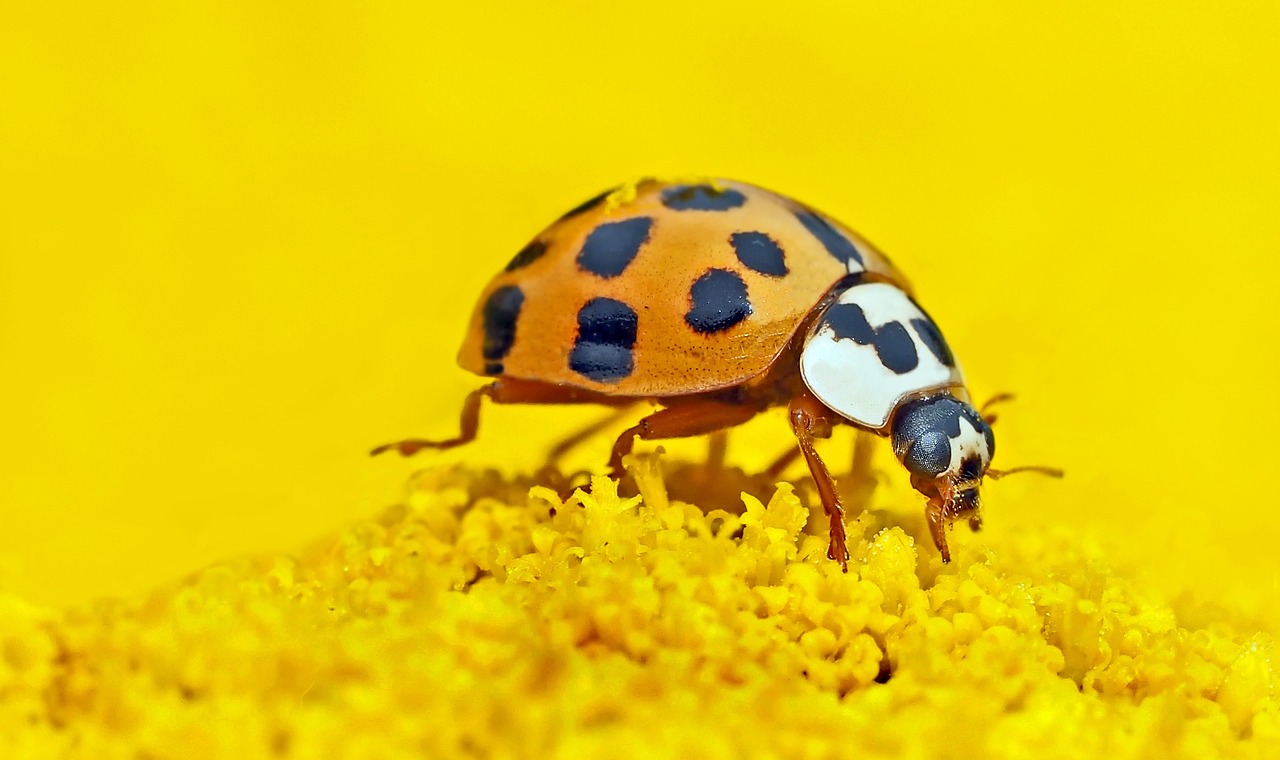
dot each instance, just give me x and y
(859, 363)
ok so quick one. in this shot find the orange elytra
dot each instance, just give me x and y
(718, 299)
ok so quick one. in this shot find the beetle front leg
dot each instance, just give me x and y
(935, 512)
(809, 420)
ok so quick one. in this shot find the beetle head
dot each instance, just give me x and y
(947, 447)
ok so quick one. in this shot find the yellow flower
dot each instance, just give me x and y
(492, 617)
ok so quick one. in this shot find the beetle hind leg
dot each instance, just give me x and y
(985, 410)
(501, 391)
(468, 424)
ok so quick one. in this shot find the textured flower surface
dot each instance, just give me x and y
(490, 617)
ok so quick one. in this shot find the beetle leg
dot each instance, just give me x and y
(809, 419)
(563, 447)
(999, 398)
(863, 447)
(681, 421)
(862, 481)
(502, 391)
(469, 423)
(936, 515)
(780, 465)
(717, 448)
(861, 451)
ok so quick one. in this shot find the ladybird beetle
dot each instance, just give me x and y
(717, 300)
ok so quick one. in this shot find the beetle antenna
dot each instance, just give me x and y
(999, 398)
(1052, 472)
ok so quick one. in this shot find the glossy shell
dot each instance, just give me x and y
(663, 289)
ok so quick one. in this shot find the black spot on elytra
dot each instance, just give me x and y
(527, 255)
(718, 301)
(836, 243)
(606, 334)
(588, 204)
(892, 342)
(611, 246)
(932, 337)
(500, 314)
(758, 251)
(701, 198)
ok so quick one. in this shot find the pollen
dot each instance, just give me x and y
(627, 192)
(495, 617)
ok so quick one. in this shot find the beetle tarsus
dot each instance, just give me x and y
(837, 550)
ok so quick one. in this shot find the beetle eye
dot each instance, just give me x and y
(930, 454)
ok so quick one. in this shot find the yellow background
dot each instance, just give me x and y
(238, 246)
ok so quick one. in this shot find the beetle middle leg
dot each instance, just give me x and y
(717, 449)
(984, 410)
(861, 484)
(578, 436)
(681, 421)
(780, 465)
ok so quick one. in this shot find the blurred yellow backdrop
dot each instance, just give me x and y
(239, 243)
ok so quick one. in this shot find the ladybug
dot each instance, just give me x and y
(717, 300)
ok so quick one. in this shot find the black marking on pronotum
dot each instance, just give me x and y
(932, 337)
(606, 334)
(701, 198)
(611, 246)
(892, 342)
(923, 431)
(588, 204)
(759, 252)
(717, 301)
(527, 255)
(836, 243)
(930, 454)
(500, 314)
